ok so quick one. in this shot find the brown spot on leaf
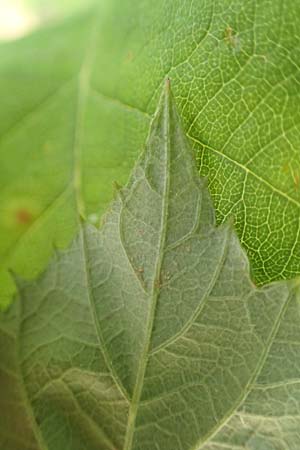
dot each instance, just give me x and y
(23, 216)
(129, 57)
(231, 38)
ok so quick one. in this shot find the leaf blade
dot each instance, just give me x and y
(121, 357)
(235, 80)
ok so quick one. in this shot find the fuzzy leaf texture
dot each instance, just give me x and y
(149, 334)
(77, 100)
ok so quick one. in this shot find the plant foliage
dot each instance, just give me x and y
(149, 334)
(77, 99)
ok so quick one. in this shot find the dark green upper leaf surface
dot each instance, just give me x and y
(76, 102)
(149, 333)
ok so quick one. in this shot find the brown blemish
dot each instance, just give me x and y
(230, 37)
(288, 169)
(23, 216)
(158, 283)
(129, 57)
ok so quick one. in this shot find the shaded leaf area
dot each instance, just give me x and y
(77, 99)
(149, 333)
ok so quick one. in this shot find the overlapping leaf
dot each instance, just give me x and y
(76, 102)
(149, 333)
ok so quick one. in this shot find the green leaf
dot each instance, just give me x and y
(52, 142)
(77, 99)
(149, 334)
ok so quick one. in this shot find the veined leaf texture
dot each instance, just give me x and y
(148, 333)
(77, 99)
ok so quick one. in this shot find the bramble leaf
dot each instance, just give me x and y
(149, 334)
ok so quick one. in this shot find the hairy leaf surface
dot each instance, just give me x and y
(76, 101)
(149, 334)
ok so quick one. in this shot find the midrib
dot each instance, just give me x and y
(155, 285)
(83, 92)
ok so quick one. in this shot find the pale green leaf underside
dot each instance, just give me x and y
(149, 333)
(76, 103)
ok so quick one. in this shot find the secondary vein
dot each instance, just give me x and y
(205, 440)
(96, 322)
